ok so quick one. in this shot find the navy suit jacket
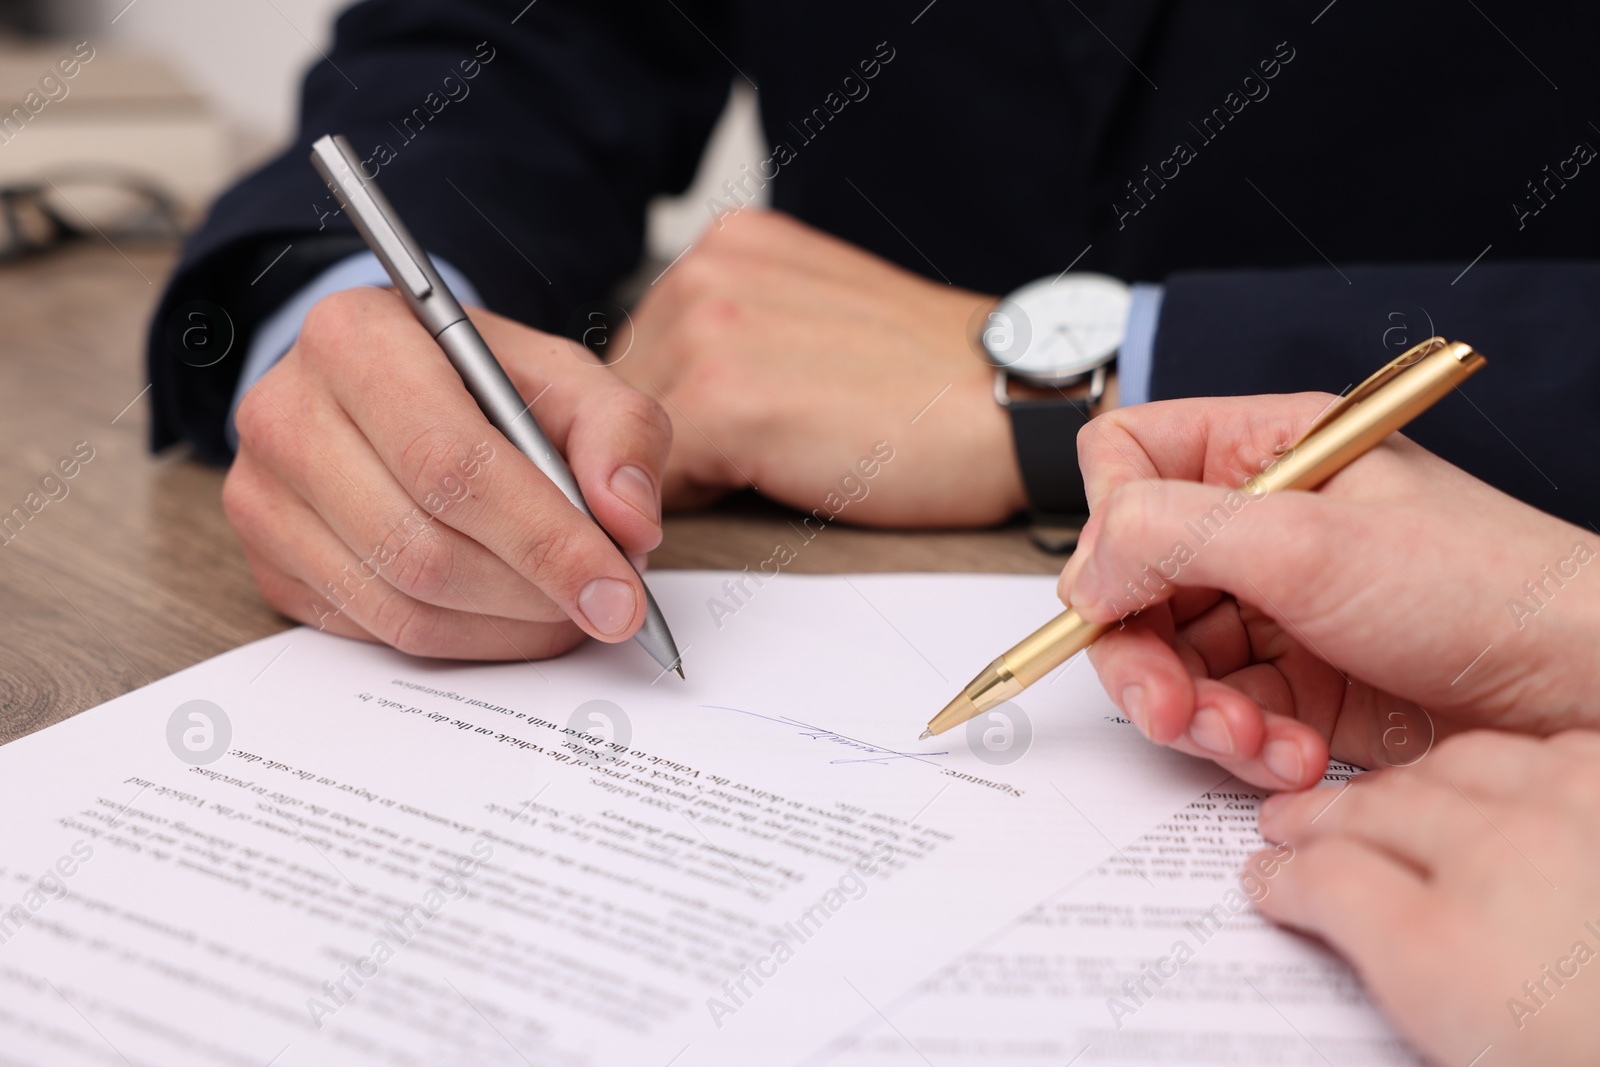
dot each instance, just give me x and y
(1317, 185)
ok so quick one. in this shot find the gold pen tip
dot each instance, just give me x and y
(925, 735)
(954, 714)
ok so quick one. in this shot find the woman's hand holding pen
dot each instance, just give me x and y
(374, 499)
(1368, 619)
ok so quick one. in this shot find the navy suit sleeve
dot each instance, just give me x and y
(523, 153)
(1528, 423)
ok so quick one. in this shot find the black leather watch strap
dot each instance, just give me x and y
(1045, 433)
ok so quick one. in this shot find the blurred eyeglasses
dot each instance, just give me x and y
(37, 217)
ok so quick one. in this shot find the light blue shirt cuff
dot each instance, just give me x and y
(1136, 357)
(280, 331)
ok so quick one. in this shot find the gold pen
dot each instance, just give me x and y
(1403, 389)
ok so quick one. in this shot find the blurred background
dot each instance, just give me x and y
(181, 96)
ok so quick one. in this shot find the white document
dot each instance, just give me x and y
(577, 862)
(1156, 957)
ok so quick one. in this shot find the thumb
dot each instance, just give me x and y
(1153, 537)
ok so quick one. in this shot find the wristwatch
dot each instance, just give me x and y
(1049, 338)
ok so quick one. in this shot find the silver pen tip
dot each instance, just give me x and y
(924, 735)
(679, 668)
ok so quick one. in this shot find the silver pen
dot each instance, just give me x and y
(441, 315)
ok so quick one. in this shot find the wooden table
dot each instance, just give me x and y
(134, 573)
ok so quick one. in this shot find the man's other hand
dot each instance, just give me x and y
(784, 356)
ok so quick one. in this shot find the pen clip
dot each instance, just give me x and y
(1380, 378)
(337, 162)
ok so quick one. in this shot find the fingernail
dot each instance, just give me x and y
(1272, 807)
(608, 604)
(640, 561)
(1133, 707)
(1081, 594)
(1209, 730)
(634, 488)
(1069, 576)
(1283, 759)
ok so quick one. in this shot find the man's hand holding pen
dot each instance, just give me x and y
(349, 444)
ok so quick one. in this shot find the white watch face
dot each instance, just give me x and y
(1054, 329)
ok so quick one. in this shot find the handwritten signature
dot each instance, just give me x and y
(877, 755)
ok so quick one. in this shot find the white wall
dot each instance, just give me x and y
(248, 57)
(676, 222)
